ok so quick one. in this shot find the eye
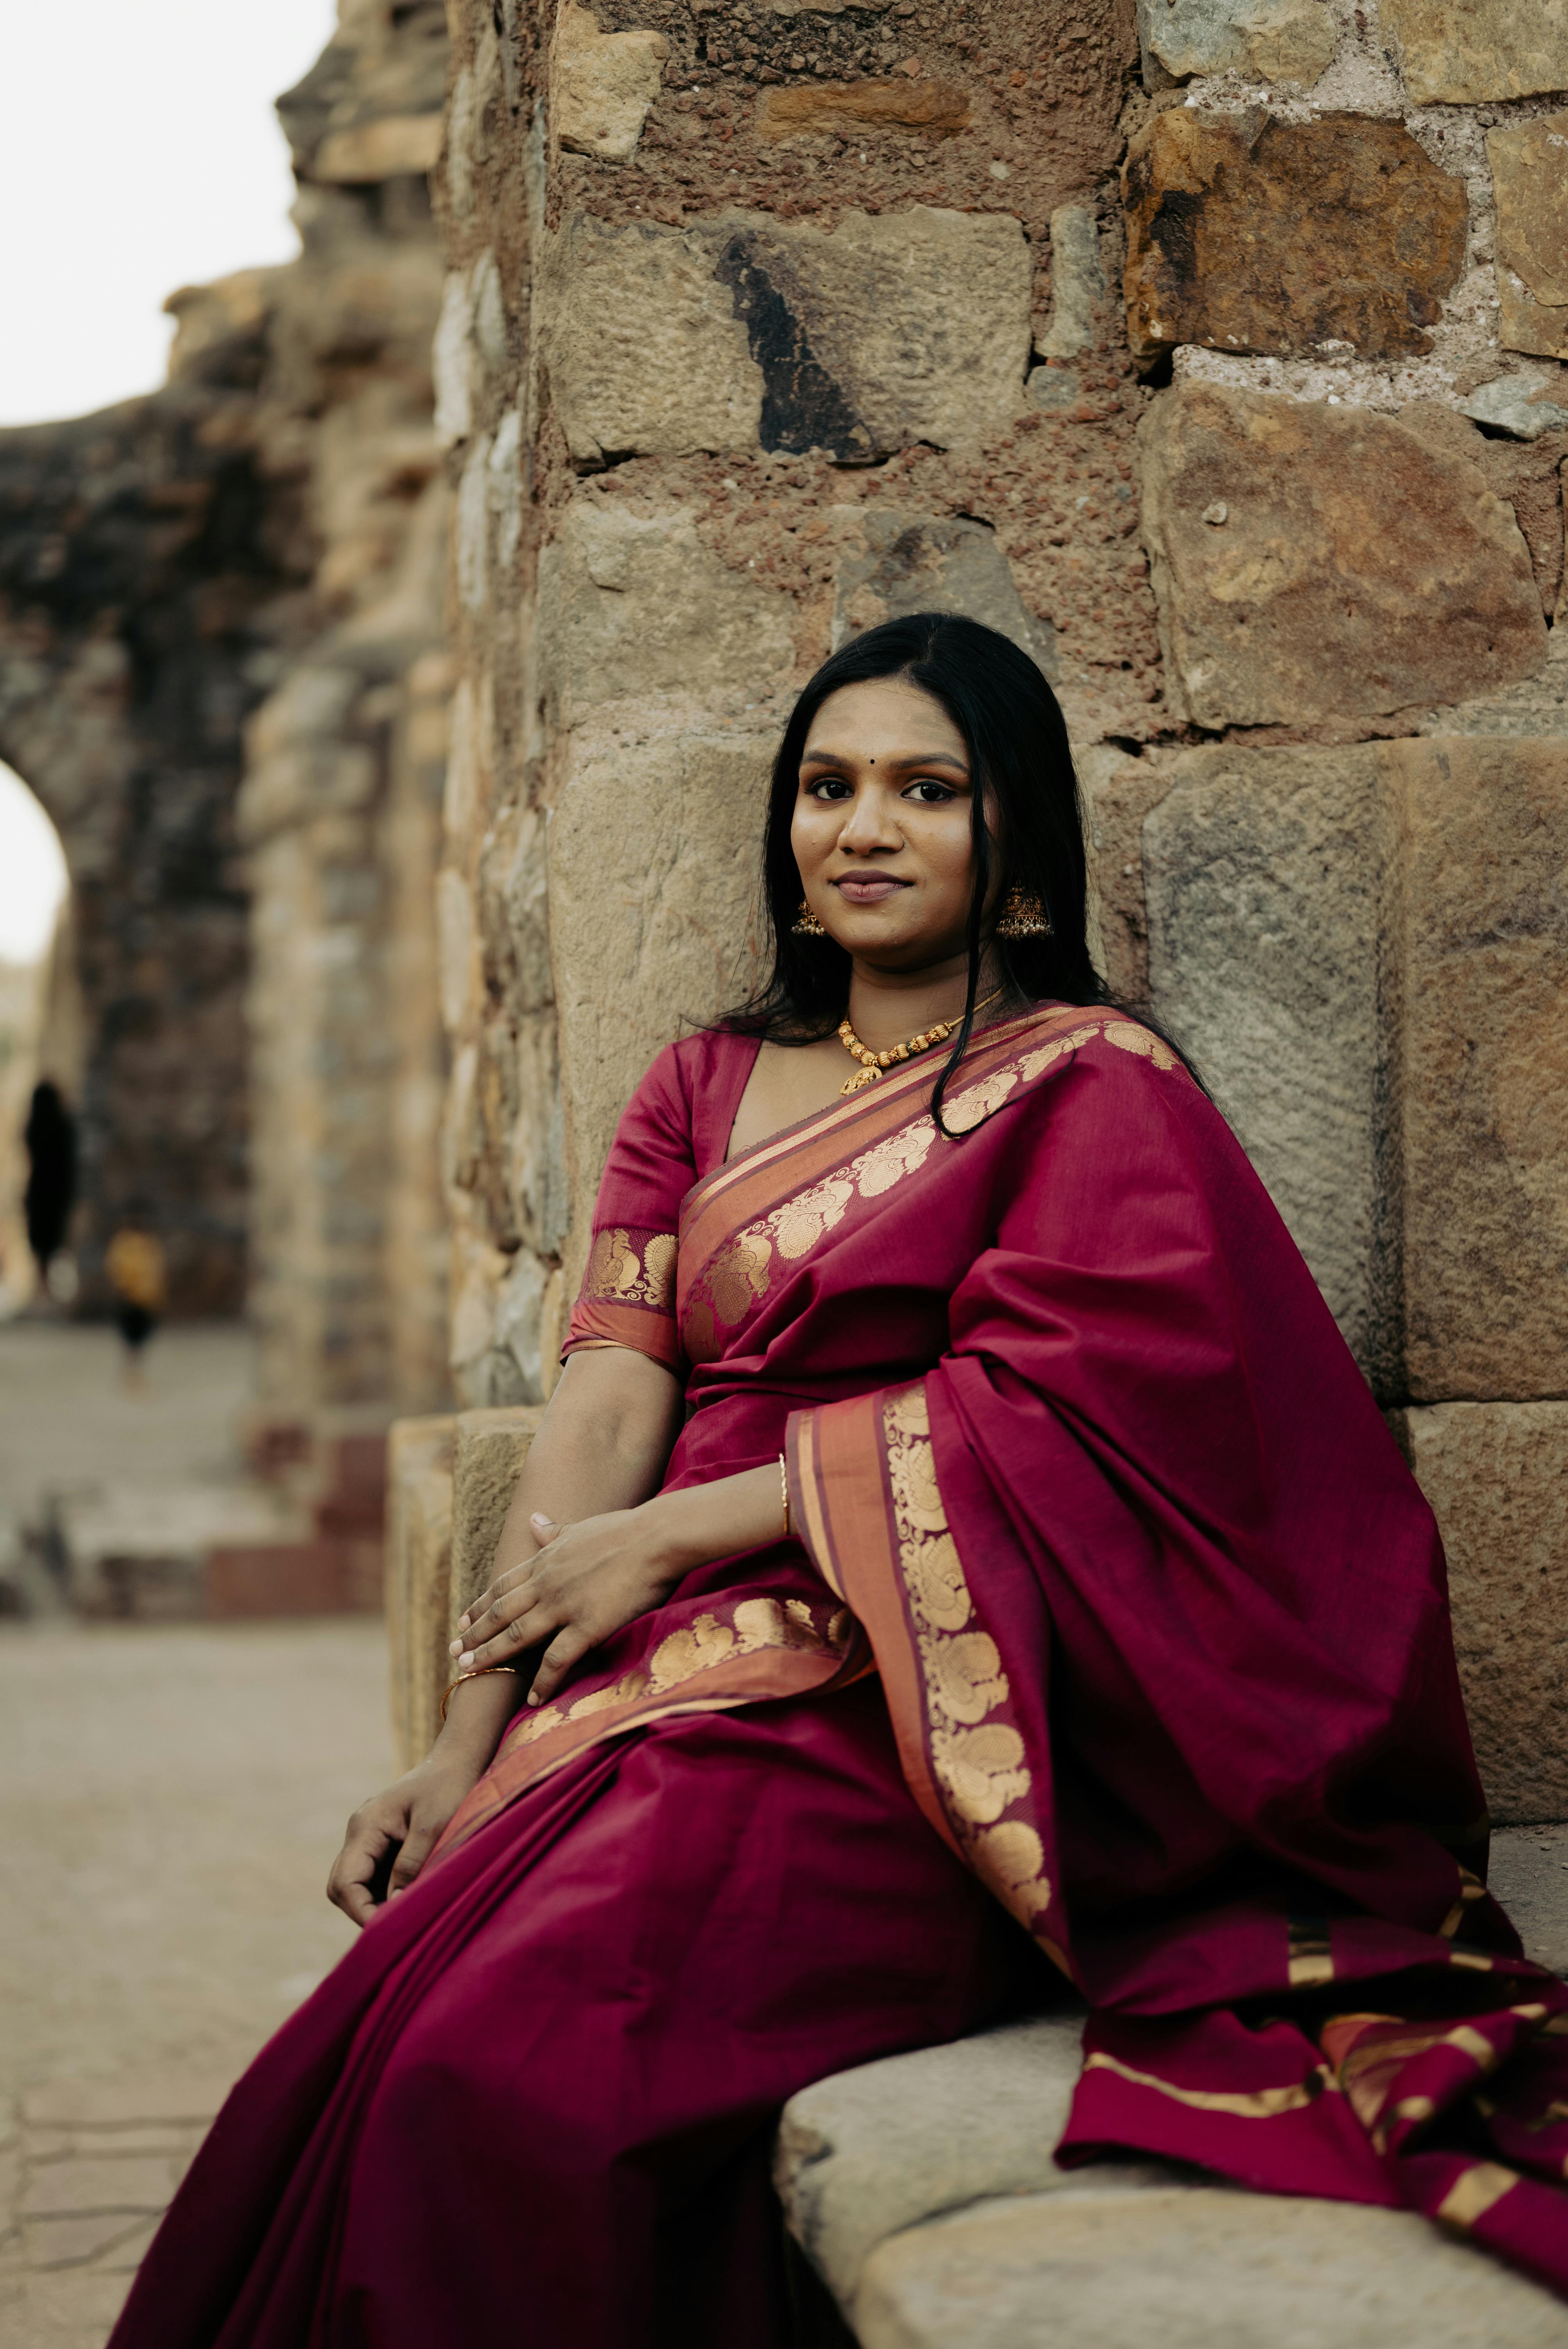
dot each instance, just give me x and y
(929, 792)
(828, 787)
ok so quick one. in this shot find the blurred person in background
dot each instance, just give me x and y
(138, 1274)
(50, 1137)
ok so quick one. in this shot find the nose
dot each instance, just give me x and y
(869, 829)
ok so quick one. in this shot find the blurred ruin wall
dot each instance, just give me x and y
(221, 672)
(1213, 348)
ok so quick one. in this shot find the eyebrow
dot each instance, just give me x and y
(809, 758)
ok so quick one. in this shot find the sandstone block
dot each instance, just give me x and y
(1517, 404)
(1268, 40)
(604, 84)
(1496, 1474)
(886, 330)
(488, 1451)
(1118, 793)
(1180, 2269)
(851, 109)
(1286, 238)
(641, 345)
(1077, 284)
(868, 2152)
(418, 1573)
(1529, 172)
(1267, 872)
(1485, 1065)
(1312, 561)
(165, 2095)
(654, 919)
(634, 604)
(1459, 51)
(398, 146)
(907, 562)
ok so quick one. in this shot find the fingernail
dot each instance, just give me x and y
(465, 1663)
(463, 1621)
(533, 1696)
(457, 1647)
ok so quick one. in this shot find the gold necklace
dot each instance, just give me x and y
(876, 1064)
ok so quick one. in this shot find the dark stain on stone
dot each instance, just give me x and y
(802, 406)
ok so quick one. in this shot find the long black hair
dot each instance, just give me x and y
(1028, 830)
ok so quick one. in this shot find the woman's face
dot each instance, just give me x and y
(881, 825)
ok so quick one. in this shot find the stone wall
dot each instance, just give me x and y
(1215, 352)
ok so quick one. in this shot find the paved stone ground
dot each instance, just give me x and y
(170, 1800)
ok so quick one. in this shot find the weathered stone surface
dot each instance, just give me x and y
(488, 1453)
(851, 108)
(418, 1573)
(1339, 230)
(1175, 2269)
(641, 345)
(634, 604)
(1530, 172)
(881, 332)
(398, 146)
(1529, 1874)
(868, 2152)
(654, 919)
(1459, 51)
(1267, 874)
(1077, 284)
(1118, 793)
(1268, 40)
(604, 84)
(1496, 1474)
(1484, 1065)
(1312, 561)
(1518, 405)
(911, 563)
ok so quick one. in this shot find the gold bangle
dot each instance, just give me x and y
(484, 1674)
(784, 1483)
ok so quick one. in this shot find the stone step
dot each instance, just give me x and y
(922, 2190)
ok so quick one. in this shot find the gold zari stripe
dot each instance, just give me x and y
(1261, 2105)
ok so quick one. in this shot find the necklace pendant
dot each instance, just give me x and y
(862, 1078)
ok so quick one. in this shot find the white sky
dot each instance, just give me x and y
(139, 152)
(32, 872)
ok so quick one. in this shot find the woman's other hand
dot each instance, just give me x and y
(584, 1583)
(391, 1836)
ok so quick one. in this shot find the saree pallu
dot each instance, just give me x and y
(1158, 1611)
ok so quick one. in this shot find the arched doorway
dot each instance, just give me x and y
(39, 1028)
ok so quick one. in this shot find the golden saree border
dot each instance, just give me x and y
(842, 1511)
(866, 1502)
(750, 1648)
(746, 1187)
(598, 1321)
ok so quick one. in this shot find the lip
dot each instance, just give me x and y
(868, 888)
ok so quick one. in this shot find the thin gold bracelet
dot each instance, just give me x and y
(484, 1674)
(784, 1482)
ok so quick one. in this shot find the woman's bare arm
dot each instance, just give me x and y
(605, 1439)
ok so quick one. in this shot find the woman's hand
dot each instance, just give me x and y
(584, 1583)
(391, 1836)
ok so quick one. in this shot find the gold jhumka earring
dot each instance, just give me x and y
(1023, 917)
(806, 924)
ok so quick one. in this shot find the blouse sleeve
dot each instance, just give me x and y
(628, 1292)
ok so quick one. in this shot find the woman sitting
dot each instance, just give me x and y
(960, 1556)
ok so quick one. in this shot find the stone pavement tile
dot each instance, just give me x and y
(1529, 1874)
(164, 2095)
(1176, 2270)
(63, 2311)
(93, 2182)
(49, 2243)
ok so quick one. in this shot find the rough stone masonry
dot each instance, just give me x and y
(1214, 350)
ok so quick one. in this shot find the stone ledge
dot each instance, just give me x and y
(922, 2190)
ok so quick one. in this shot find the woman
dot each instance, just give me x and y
(960, 1554)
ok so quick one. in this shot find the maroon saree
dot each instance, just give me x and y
(1112, 1596)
